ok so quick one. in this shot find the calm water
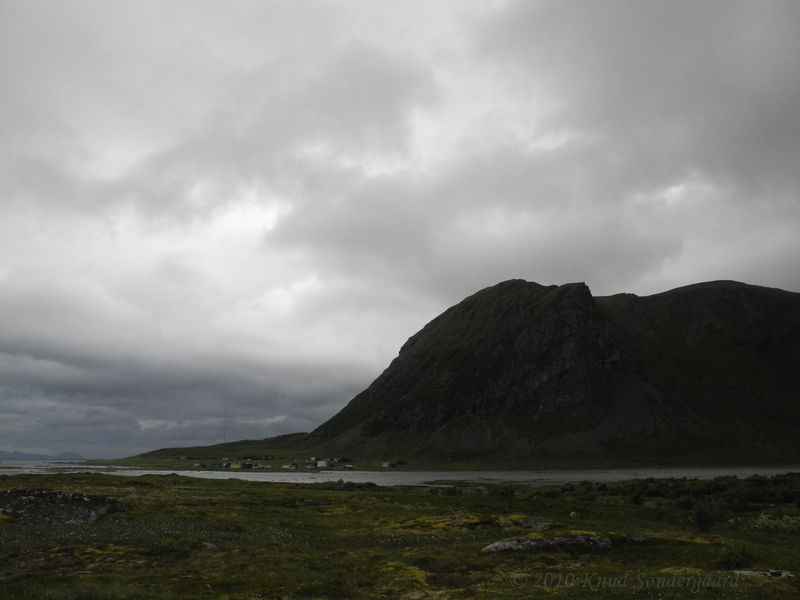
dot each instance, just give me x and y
(533, 478)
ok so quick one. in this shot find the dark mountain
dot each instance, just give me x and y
(522, 372)
(28, 456)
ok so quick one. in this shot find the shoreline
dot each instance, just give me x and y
(527, 477)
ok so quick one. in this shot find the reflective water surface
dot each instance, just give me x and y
(394, 477)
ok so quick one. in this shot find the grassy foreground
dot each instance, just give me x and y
(186, 538)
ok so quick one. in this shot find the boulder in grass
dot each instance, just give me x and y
(568, 541)
(771, 573)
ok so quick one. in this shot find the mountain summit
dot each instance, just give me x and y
(520, 371)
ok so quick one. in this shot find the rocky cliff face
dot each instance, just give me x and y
(521, 371)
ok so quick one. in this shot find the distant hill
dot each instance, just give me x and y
(521, 371)
(27, 456)
(526, 374)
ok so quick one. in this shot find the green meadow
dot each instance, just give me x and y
(188, 538)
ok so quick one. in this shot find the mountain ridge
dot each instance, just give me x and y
(521, 373)
(31, 456)
(522, 370)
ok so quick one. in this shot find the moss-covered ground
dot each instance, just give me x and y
(187, 538)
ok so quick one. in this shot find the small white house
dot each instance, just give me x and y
(321, 464)
(289, 466)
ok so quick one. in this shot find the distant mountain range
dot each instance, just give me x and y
(27, 456)
(526, 374)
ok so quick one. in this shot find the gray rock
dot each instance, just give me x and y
(772, 573)
(594, 542)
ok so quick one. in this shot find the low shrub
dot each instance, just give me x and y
(735, 557)
(785, 523)
(702, 519)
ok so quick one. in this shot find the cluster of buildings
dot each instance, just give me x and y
(254, 463)
(260, 462)
(316, 462)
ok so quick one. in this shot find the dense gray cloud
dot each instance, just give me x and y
(248, 207)
(677, 87)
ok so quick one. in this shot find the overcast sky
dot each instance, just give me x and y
(255, 203)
